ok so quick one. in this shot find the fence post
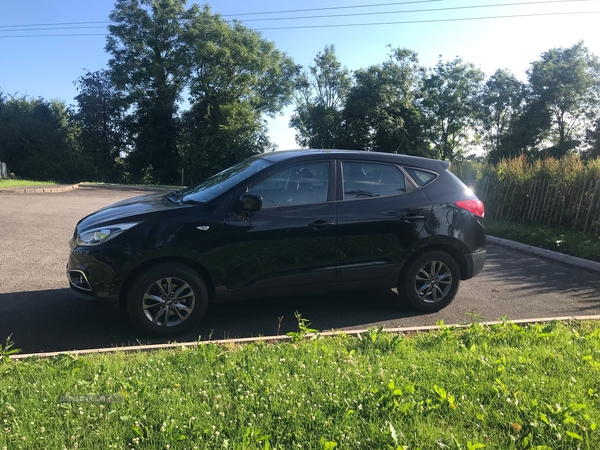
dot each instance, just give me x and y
(587, 217)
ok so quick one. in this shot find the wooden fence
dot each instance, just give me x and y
(573, 205)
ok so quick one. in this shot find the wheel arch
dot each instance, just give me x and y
(210, 285)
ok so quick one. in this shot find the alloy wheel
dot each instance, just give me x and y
(433, 281)
(168, 302)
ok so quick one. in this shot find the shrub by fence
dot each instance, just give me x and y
(574, 204)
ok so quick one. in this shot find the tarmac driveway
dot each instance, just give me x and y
(37, 309)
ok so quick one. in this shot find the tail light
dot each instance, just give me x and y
(474, 206)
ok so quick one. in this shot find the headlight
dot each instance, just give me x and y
(99, 235)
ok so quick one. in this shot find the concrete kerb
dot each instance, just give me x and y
(57, 188)
(548, 254)
(39, 189)
(181, 345)
(120, 187)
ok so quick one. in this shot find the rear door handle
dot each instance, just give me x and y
(412, 217)
(320, 225)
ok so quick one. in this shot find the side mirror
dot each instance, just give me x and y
(250, 202)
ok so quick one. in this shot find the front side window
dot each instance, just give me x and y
(367, 180)
(297, 185)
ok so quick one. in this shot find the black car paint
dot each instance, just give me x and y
(334, 245)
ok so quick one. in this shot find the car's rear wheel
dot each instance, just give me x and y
(430, 282)
(167, 299)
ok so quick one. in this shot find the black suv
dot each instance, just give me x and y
(302, 221)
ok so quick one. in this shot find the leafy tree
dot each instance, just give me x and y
(99, 118)
(236, 77)
(593, 139)
(502, 101)
(380, 112)
(149, 64)
(321, 95)
(565, 86)
(449, 104)
(37, 142)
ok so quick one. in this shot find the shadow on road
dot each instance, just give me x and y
(53, 320)
(525, 275)
(512, 284)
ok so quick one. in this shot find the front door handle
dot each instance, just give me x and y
(320, 225)
(412, 217)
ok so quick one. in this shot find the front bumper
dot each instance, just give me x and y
(92, 273)
(79, 284)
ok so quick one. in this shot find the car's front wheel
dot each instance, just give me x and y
(430, 282)
(167, 299)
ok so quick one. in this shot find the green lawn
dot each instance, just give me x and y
(9, 184)
(499, 387)
(570, 242)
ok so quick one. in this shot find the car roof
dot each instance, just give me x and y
(426, 163)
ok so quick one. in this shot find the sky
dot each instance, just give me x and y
(35, 61)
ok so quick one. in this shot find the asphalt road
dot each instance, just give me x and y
(37, 309)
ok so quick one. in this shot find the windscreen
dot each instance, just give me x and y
(219, 183)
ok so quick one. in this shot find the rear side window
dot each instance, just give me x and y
(367, 180)
(420, 177)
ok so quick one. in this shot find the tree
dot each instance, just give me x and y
(149, 64)
(449, 104)
(320, 99)
(565, 86)
(99, 117)
(380, 112)
(502, 101)
(236, 77)
(37, 142)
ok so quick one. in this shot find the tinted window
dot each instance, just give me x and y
(222, 181)
(365, 180)
(420, 176)
(297, 185)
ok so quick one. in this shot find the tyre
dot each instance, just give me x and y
(167, 299)
(430, 282)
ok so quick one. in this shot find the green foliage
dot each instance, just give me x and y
(557, 239)
(320, 99)
(566, 84)
(236, 78)
(505, 386)
(99, 119)
(502, 100)
(7, 350)
(450, 93)
(568, 169)
(149, 65)
(382, 111)
(562, 106)
(38, 141)
(303, 328)
(471, 171)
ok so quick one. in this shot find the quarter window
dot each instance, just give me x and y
(420, 176)
(297, 185)
(366, 180)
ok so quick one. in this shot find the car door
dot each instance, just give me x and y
(379, 215)
(291, 240)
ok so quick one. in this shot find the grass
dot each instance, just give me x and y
(9, 184)
(497, 387)
(570, 242)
